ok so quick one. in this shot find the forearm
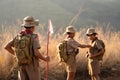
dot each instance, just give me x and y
(42, 57)
(99, 53)
(39, 55)
(9, 49)
(85, 46)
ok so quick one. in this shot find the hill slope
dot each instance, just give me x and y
(62, 11)
(103, 11)
(43, 9)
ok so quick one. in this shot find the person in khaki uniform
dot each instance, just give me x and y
(29, 71)
(95, 52)
(72, 47)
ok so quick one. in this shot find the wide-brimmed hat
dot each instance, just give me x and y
(29, 21)
(70, 29)
(91, 31)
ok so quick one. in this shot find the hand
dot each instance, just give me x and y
(47, 58)
(91, 56)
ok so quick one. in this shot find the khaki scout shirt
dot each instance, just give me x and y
(96, 46)
(72, 45)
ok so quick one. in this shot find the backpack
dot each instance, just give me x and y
(62, 51)
(23, 48)
(103, 45)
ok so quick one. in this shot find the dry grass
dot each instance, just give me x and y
(111, 39)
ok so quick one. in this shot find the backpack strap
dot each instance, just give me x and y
(33, 36)
(65, 41)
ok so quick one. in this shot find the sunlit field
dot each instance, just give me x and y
(110, 37)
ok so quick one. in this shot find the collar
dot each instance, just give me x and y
(94, 39)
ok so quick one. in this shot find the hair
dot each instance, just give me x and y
(69, 33)
(28, 27)
(94, 34)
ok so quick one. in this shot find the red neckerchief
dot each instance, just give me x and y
(26, 31)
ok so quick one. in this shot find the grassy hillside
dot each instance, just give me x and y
(62, 11)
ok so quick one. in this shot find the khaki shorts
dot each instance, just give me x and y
(93, 66)
(71, 64)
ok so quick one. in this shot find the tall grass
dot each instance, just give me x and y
(111, 39)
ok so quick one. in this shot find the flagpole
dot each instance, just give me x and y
(50, 31)
(47, 66)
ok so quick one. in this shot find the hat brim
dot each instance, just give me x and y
(25, 25)
(70, 31)
(91, 34)
(36, 23)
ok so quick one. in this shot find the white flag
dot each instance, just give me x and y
(50, 27)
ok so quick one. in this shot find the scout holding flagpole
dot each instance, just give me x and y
(28, 55)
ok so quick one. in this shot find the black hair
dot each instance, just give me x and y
(68, 33)
(94, 34)
(28, 27)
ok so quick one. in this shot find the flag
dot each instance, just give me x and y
(50, 27)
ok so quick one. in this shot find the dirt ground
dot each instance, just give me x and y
(107, 73)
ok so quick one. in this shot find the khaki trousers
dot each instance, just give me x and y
(29, 72)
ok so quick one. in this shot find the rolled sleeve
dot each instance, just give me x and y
(99, 45)
(74, 44)
(36, 44)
